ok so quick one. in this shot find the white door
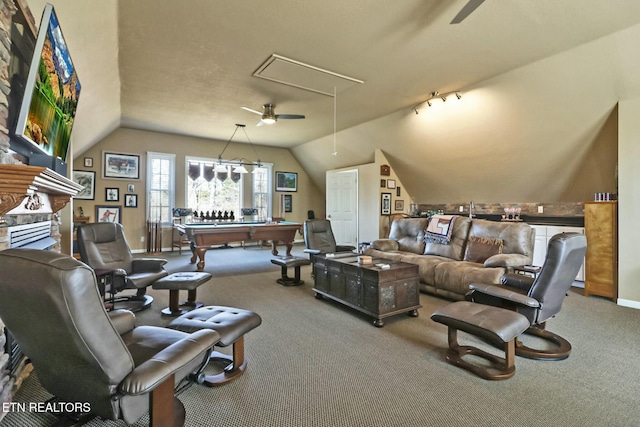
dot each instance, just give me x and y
(342, 206)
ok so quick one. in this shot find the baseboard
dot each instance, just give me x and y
(628, 303)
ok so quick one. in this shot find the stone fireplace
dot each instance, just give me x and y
(30, 198)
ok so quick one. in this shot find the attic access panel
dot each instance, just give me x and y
(294, 73)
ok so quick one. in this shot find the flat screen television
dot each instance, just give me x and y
(48, 107)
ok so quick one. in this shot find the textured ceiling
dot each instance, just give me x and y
(187, 66)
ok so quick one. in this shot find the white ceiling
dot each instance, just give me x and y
(186, 67)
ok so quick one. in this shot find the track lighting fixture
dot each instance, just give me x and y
(436, 95)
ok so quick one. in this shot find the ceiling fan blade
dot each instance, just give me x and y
(260, 123)
(290, 116)
(252, 111)
(466, 11)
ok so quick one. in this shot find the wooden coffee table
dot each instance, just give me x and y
(368, 288)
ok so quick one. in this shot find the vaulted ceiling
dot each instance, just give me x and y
(186, 67)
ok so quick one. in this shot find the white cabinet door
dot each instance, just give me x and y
(553, 230)
(540, 248)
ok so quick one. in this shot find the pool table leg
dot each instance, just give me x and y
(198, 253)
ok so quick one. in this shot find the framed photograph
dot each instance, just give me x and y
(286, 181)
(385, 170)
(120, 166)
(385, 204)
(287, 203)
(88, 162)
(391, 183)
(112, 194)
(399, 205)
(88, 180)
(108, 213)
(131, 188)
(130, 200)
(398, 192)
(383, 183)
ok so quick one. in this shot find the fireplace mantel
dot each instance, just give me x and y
(19, 182)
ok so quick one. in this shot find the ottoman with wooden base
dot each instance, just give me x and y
(231, 323)
(285, 263)
(497, 325)
(184, 281)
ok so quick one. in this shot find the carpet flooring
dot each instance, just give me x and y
(315, 363)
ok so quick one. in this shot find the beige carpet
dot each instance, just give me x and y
(315, 363)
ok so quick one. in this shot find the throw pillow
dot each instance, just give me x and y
(481, 248)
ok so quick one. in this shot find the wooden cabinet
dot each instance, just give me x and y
(601, 228)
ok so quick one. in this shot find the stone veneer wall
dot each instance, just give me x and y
(8, 8)
(569, 209)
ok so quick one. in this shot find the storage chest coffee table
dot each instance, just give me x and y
(376, 291)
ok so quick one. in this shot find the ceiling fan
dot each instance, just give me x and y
(269, 116)
(466, 11)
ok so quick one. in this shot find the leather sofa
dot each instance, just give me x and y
(478, 251)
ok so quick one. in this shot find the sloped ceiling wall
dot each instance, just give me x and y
(545, 132)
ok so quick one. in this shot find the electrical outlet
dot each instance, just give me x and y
(540, 209)
(461, 209)
(142, 239)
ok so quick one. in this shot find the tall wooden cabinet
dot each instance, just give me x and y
(601, 229)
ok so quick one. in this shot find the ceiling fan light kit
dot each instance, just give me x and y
(268, 115)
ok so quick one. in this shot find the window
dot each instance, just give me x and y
(262, 190)
(213, 192)
(161, 190)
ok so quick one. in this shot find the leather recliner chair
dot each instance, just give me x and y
(319, 238)
(51, 305)
(539, 298)
(103, 246)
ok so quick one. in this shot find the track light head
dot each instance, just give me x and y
(458, 95)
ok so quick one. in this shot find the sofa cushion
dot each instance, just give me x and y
(517, 237)
(409, 233)
(481, 248)
(426, 265)
(455, 249)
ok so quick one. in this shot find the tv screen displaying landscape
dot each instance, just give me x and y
(51, 94)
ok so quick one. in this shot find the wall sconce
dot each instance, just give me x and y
(436, 95)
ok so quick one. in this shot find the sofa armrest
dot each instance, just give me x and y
(123, 320)
(385, 245)
(507, 260)
(145, 377)
(504, 294)
(312, 251)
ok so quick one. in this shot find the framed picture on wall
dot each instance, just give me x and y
(385, 204)
(88, 181)
(286, 181)
(108, 213)
(112, 194)
(121, 166)
(399, 205)
(130, 200)
(287, 203)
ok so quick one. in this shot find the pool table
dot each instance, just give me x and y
(203, 235)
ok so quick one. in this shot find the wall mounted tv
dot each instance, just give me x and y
(48, 108)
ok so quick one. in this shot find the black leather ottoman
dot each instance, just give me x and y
(497, 325)
(232, 324)
(285, 263)
(176, 282)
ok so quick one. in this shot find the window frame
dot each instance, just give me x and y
(151, 156)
